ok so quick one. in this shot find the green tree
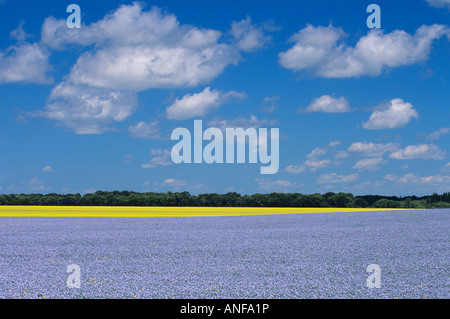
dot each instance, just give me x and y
(342, 200)
(386, 203)
(361, 203)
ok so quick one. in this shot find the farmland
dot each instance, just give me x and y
(255, 256)
(104, 211)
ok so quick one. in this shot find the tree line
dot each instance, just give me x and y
(232, 199)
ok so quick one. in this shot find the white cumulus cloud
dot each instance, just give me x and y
(328, 104)
(421, 151)
(372, 149)
(25, 62)
(87, 110)
(369, 164)
(397, 114)
(134, 49)
(322, 51)
(199, 104)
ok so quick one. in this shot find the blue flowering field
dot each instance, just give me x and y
(273, 256)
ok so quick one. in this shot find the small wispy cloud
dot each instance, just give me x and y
(176, 185)
(439, 3)
(421, 151)
(200, 104)
(369, 164)
(328, 104)
(160, 157)
(147, 130)
(36, 185)
(372, 149)
(314, 160)
(434, 136)
(295, 169)
(248, 36)
(270, 104)
(47, 169)
(279, 185)
(335, 178)
(19, 33)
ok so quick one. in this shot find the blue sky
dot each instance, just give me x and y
(359, 110)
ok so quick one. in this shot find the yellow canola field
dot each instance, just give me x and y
(127, 211)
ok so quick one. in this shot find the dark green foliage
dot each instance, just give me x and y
(386, 203)
(361, 203)
(127, 198)
(442, 205)
(342, 200)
